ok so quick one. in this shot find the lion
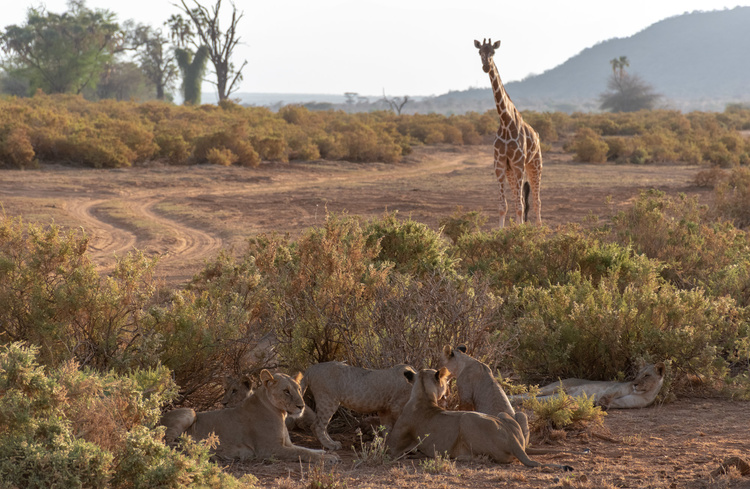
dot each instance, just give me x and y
(334, 384)
(478, 390)
(236, 389)
(433, 431)
(638, 393)
(255, 428)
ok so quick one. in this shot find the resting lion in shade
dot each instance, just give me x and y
(637, 393)
(433, 431)
(253, 429)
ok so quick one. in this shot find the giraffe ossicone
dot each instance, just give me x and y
(517, 150)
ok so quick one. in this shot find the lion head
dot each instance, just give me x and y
(284, 392)
(429, 382)
(649, 379)
(236, 390)
(455, 359)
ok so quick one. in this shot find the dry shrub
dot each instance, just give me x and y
(588, 146)
(413, 320)
(272, 148)
(710, 177)
(222, 157)
(733, 197)
(16, 148)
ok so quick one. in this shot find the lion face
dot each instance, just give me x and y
(454, 359)
(236, 390)
(284, 392)
(649, 378)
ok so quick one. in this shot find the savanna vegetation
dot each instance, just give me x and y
(88, 363)
(666, 280)
(111, 134)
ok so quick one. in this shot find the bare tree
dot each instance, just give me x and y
(220, 44)
(395, 103)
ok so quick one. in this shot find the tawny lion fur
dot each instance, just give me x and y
(478, 390)
(255, 428)
(638, 393)
(434, 431)
(334, 384)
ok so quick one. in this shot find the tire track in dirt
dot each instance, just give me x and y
(106, 241)
(188, 244)
(176, 244)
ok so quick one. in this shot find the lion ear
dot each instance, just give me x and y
(448, 351)
(265, 376)
(410, 375)
(661, 368)
(442, 374)
(298, 377)
(247, 381)
(461, 348)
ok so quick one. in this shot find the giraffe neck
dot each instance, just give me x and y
(508, 112)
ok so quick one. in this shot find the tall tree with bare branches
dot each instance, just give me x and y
(220, 43)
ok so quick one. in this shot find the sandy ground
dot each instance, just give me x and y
(187, 214)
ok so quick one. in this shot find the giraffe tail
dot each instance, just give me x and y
(526, 192)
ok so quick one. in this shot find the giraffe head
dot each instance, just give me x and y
(486, 52)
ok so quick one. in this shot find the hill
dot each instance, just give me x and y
(696, 61)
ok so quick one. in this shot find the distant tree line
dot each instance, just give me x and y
(88, 52)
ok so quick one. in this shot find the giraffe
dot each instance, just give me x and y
(518, 154)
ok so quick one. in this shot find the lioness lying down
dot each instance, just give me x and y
(478, 390)
(255, 428)
(460, 434)
(638, 393)
(360, 389)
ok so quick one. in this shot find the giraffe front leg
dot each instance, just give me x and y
(534, 172)
(515, 182)
(503, 205)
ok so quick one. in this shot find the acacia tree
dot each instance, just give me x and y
(220, 44)
(62, 53)
(626, 92)
(155, 58)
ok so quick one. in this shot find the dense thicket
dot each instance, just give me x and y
(70, 129)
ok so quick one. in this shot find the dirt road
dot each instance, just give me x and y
(187, 214)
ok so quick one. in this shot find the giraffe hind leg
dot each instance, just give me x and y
(526, 191)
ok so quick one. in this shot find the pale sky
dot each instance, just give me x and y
(405, 47)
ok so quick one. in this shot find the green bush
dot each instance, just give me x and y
(695, 251)
(595, 331)
(461, 223)
(53, 297)
(71, 428)
(412, 247)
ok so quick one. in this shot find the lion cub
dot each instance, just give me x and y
(335, 384)
(477, 388)
(434, 431)
(638, 393)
